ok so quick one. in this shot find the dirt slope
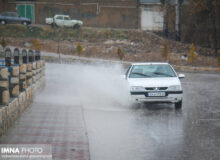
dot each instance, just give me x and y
(103, 43)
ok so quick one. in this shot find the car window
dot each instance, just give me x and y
(66, 18)
(5, 14)
(60, 17)
(151, 71)
(10, 14)
(14, 14)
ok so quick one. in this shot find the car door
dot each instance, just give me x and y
(8, 17)
(59, 21)
(67, 21)
(15, 18)
(3, 16)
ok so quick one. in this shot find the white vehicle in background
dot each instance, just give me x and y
(155, 82)
(63, 21)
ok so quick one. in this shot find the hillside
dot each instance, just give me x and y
(103, 43)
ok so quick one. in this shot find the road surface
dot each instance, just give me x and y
(84, 113)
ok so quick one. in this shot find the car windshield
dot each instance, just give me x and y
(151, 71)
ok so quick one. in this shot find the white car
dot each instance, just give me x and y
(64, 21)
(155, 82)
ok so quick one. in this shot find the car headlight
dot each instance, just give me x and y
(137, 88)
(175, 87)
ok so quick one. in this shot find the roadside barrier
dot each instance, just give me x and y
(29, 74)
(22, 76)
(18, 83)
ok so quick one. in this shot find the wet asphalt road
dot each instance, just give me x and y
(115, 129)
(158, 132)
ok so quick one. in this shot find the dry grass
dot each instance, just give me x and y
(137, 45)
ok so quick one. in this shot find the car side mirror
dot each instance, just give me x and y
(181, 76)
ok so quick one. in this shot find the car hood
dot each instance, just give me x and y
(154, 82)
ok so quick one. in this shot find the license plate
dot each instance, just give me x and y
(156, 94)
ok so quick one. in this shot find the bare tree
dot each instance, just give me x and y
(209, 7)
(177, 19)
(165, 5)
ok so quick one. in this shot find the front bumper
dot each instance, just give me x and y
(170, 97)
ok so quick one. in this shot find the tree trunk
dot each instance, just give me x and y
(137, 14)
(165, 20)
(177, 21)
(215, 40)
(4, 4)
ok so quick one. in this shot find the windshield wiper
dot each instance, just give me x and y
(141, 74)
(160, 73)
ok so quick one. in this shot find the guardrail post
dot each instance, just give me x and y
(22, 87)
(34, 72)
(13, 107)
(29, 77)
(29, 74)
(24, 56)
(4, 98)
(30, 56)
(22, 77)
(38, 70)
(37, 55)
(16, 56)
(4, 86)
(14, 81)
(7, 57)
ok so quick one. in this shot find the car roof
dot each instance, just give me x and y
(150, 63)
(9, 12)
(62, 15)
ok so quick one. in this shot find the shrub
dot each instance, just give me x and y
(36, 45)
(165, 51)
(79, 48)
(3, 42)
(192, 55)
(120, 53)
(218, 57)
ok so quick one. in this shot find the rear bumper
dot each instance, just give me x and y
(171, 97)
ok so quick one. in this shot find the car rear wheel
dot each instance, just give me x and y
(178, 105)
(52, 25)
(76, 26)
(24, 23)
(3, 22)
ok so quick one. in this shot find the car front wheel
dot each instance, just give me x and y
(178, 105)
(3, 22)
